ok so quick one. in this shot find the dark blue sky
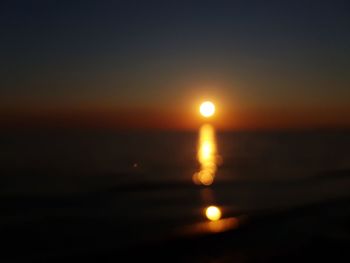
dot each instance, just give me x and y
(248, 55)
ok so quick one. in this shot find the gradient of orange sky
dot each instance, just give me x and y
(141, 65)
(185, 117)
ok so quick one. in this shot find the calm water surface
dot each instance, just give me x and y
(139, 185)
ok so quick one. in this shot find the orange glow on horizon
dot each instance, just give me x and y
(183, 117)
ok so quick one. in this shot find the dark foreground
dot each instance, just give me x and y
(108, 226)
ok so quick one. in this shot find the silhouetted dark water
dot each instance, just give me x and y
(172, 156)
(73, 193)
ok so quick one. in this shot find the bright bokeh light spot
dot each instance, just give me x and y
(203, 177)
(207, 109)
(213, 213)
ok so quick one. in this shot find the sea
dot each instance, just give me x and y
(83, 190)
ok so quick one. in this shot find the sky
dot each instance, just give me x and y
(148, 64)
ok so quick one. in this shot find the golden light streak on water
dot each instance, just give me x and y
(207, 156)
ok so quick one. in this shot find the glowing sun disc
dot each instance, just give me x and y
(207, 109)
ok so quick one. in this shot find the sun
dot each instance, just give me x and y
(207, 109)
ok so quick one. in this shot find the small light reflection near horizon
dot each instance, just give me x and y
(206, 155)
(213, 227)
(223, 225)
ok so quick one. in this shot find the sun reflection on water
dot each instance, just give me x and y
(207, 156)
(213, 213)
(209, 160)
